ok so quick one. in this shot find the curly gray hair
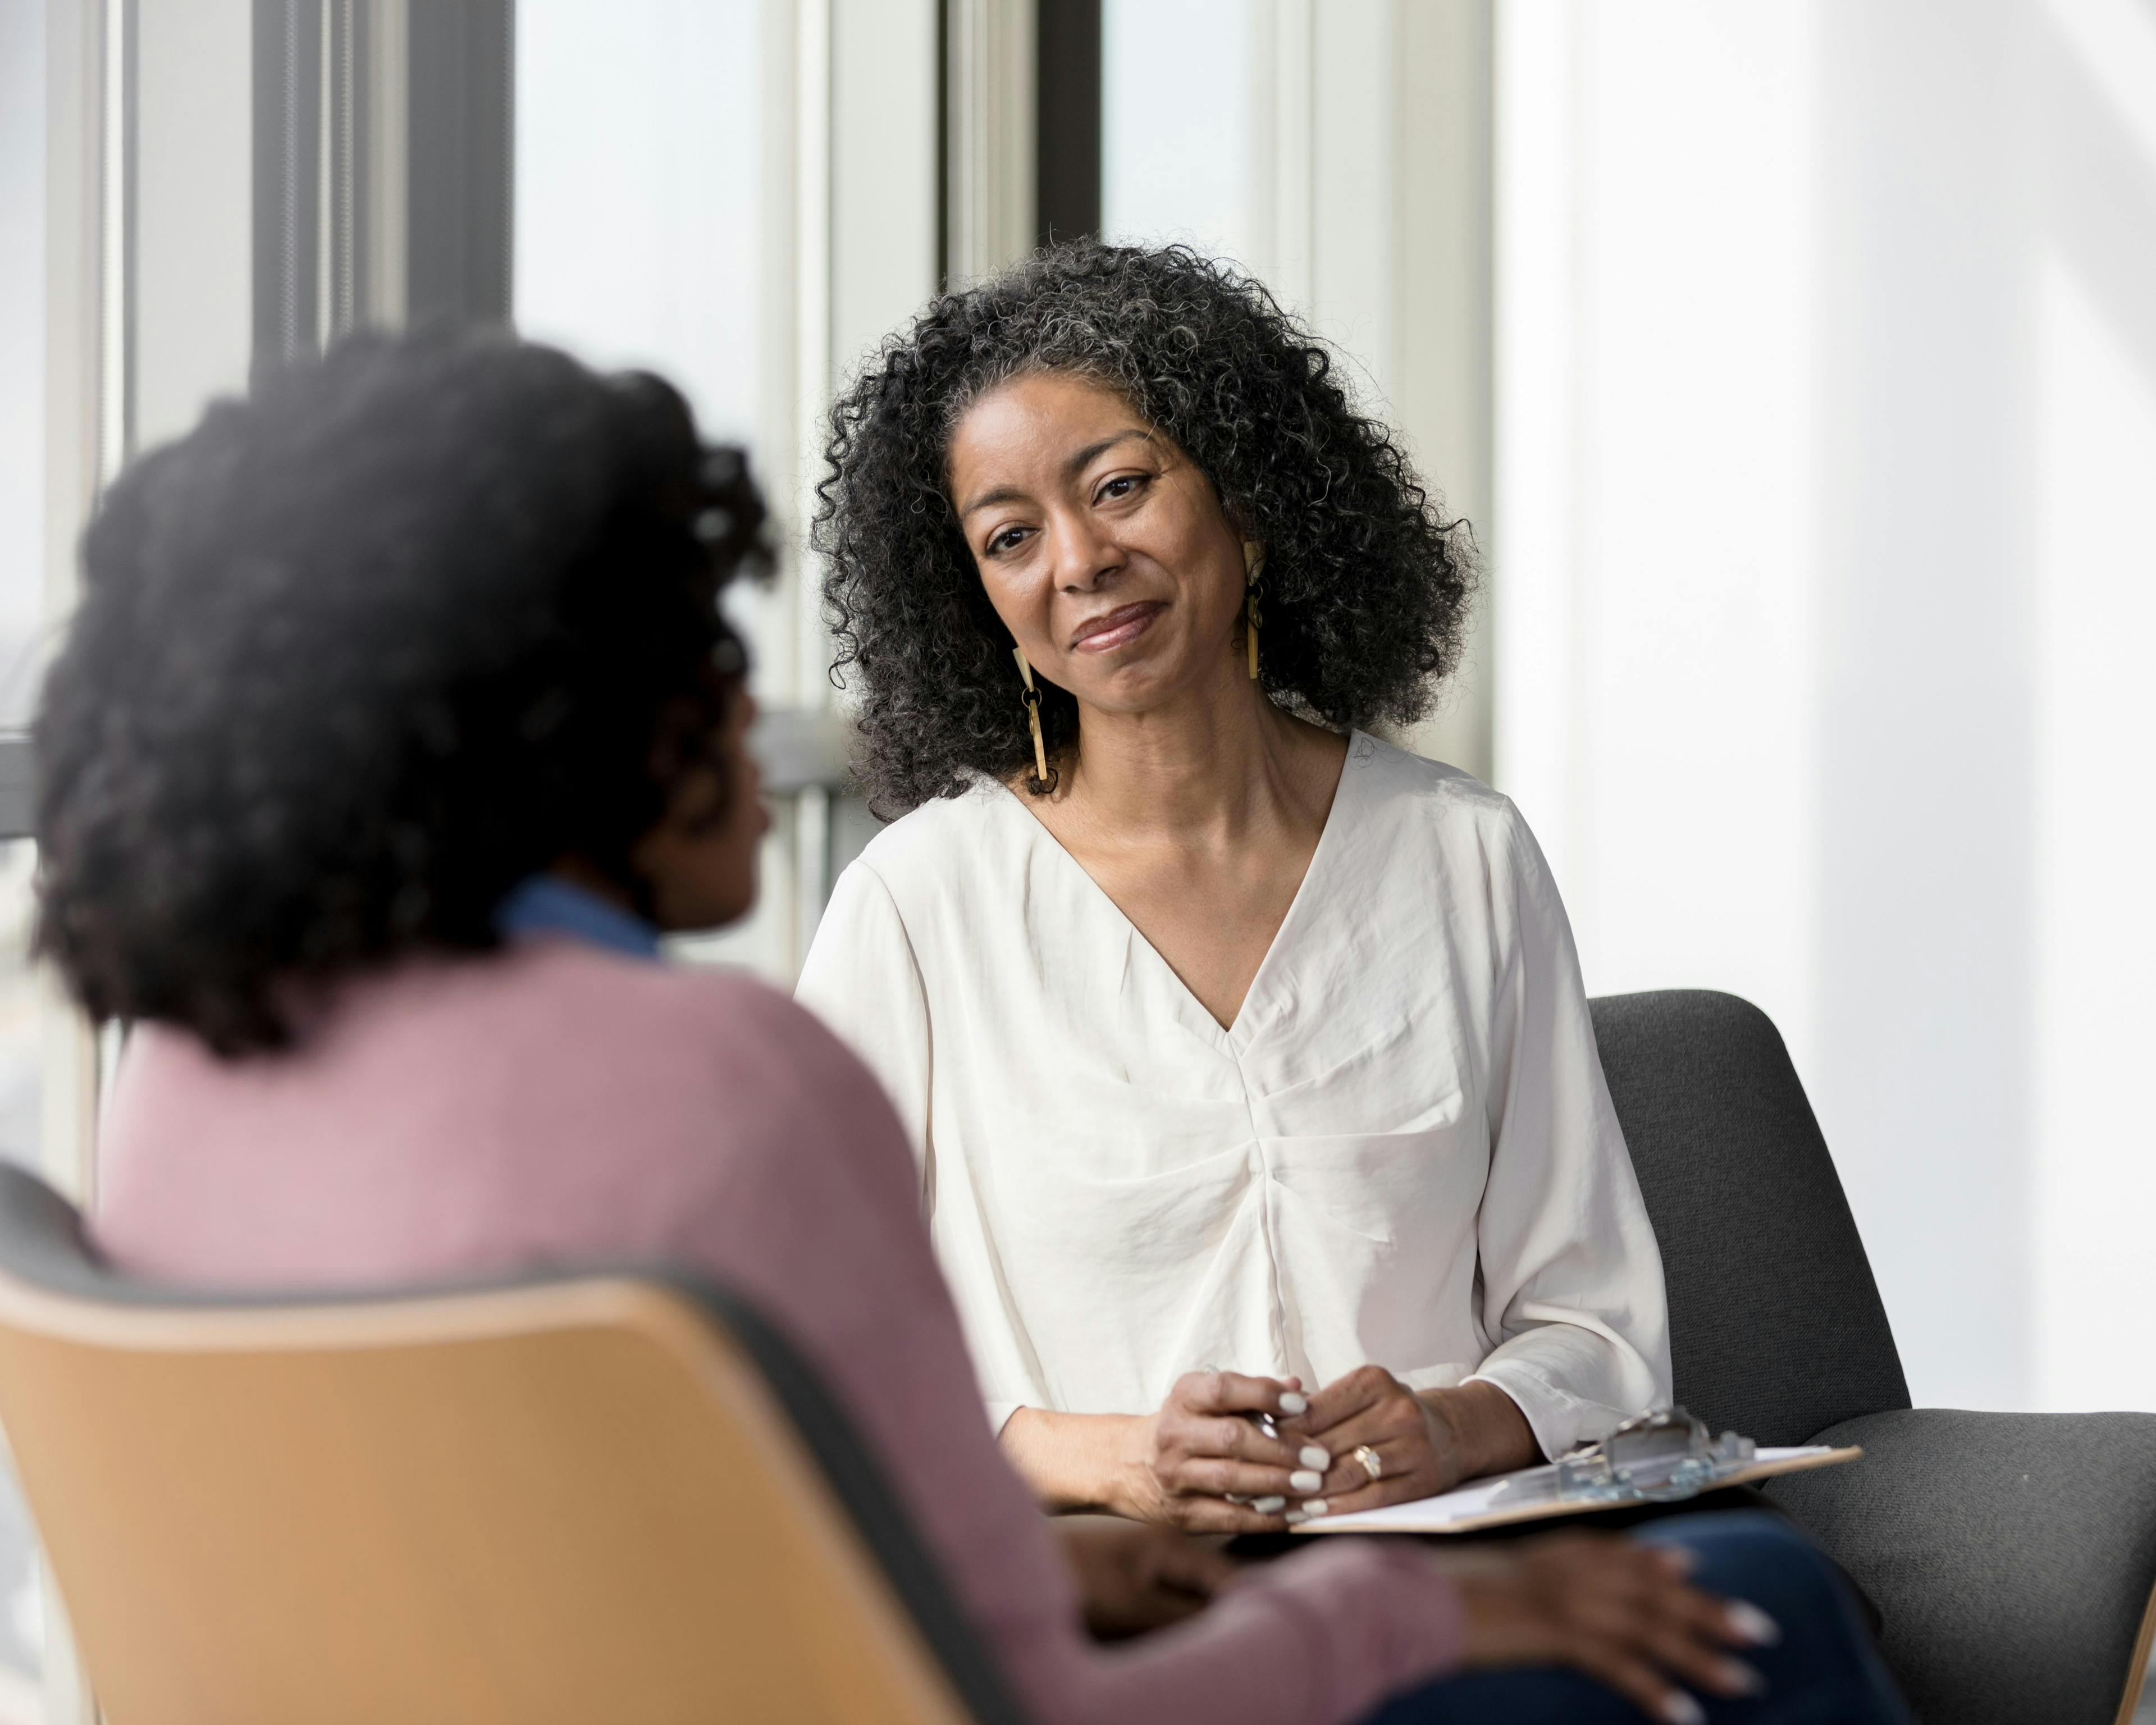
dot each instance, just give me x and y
(1368, 585)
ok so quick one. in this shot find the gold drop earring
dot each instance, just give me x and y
(1031, 699)
(1254, 571)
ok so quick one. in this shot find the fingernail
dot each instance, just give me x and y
(1753, 1625)
(1680, 1709)
(1291, 1402)
(1313, 1506)
(1268, 1506)
(1302, 1480)
(1312, 1456)
(1739, 1678)
(1297, 1515)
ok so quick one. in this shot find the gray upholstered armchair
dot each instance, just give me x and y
(2014, 1555)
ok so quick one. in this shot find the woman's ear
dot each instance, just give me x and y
(1253, 559)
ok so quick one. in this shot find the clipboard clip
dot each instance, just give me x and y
(1659, 1457)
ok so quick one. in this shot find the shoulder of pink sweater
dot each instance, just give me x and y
(562, 984)
(561, 1025)
(691, 1028)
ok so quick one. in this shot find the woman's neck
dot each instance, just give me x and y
(1210, 767)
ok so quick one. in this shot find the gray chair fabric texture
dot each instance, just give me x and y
(2013, 1555)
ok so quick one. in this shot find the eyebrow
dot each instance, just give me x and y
(1076, 465)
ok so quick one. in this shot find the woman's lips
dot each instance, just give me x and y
(1117, 627)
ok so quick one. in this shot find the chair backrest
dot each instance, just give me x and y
(1776, 1327)
(603, 1496)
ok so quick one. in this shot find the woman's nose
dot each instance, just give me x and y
(1081, 556)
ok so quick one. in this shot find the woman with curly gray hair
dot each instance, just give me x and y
(1246, 1055)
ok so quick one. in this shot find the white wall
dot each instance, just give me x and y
(1826, 405)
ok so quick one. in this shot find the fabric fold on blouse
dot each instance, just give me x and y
(1402, 1152)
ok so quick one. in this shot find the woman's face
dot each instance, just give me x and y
(701, 860)
(1102, 547)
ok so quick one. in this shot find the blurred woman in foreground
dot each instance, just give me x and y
(398, 720)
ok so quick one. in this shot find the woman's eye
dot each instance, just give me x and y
(1004, 541)
(1122, 485)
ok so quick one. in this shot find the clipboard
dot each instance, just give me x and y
(1483, 1503)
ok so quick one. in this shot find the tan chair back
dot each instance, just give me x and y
(576, 1501)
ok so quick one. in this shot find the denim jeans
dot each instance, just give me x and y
(1823, 1672)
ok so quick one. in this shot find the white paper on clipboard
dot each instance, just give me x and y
(1483, 1502)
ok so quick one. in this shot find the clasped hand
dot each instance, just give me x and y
(1204, 1464)
(1620, 1613)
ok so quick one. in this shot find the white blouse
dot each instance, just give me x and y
(1403, 1151)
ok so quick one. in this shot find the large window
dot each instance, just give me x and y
(22, 616)
(638, 205)
(640, 222)
(22, 355)
(1180, 154)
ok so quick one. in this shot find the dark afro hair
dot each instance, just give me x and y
(357, 655)
(1366, 585)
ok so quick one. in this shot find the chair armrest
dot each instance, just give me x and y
(2013, 1555)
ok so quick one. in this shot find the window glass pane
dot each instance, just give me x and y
(1176, 151)
(637, 194)
(639, 242)
(22, 616)
(22, 355)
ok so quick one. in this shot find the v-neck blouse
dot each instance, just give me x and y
(1402, 1152)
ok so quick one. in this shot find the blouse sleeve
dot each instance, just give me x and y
(1571, 1277)
(862, 980)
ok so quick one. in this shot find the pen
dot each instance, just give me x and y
(1308, 1478)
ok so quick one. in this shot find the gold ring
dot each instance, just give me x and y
(1371, 1466)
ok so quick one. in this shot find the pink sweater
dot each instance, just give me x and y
(558, 1104)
